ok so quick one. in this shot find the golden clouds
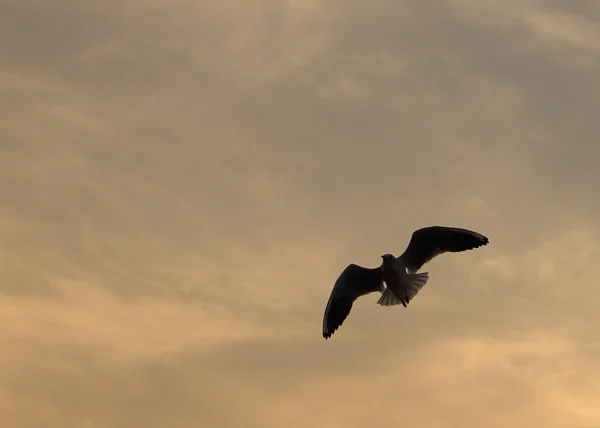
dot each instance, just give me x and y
(182, 182)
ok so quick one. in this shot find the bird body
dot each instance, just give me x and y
(402, 282)
(402, 286)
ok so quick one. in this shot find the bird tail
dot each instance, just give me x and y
(388, 298)
(416, 281)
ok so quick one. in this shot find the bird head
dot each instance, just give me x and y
(388, 258)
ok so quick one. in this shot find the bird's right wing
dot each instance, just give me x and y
(429, 242)
(354, 281)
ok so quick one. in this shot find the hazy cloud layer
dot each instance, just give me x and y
(183, 182)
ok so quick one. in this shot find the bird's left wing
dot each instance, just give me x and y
(429, 242)
(354, 281)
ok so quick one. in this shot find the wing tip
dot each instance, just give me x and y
(483, 240)
(328, 332)
(479, 239)
(330, 324)
(335, 314)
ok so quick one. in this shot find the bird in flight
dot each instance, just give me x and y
(402, 282)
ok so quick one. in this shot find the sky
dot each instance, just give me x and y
(182, 183)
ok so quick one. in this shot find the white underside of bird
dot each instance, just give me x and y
(402, 286)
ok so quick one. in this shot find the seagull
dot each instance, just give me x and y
(398, 273)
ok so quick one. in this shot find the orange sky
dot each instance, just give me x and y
(182, 182)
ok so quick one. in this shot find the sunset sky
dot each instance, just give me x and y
(183, 181)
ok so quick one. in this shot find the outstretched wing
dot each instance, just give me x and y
(432, 241)
(354, 281)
